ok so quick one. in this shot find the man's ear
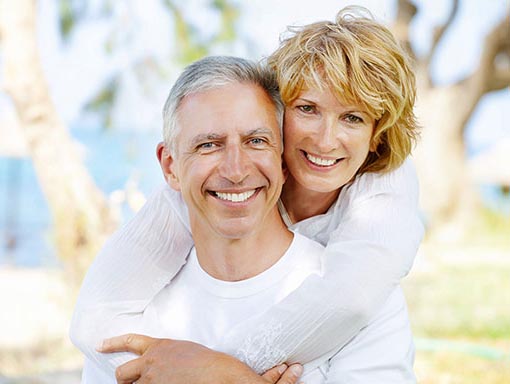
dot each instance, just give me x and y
(167, 164)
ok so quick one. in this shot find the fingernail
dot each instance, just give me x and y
(102, 345)
(282, 368)
(99, 346)
(297, 370)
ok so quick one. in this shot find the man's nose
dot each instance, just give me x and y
(235, 164)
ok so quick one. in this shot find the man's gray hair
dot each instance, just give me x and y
(215, 72)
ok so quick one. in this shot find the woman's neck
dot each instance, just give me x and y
(302, 203)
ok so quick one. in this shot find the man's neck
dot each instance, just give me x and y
(239, 259)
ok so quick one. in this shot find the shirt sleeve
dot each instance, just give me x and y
(381, 353)
(131, 268)
(374, 234)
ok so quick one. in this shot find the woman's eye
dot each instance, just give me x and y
(353, 118)
(306, 108)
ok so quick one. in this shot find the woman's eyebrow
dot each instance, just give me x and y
(305, 100)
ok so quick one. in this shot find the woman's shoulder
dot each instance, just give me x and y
(402, 180)
(166, 201)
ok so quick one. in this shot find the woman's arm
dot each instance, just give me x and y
(374, 235)
(383, 352)
(372, 245)
(177, 361)
(132, 267)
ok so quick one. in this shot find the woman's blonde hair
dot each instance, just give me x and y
(360, 60)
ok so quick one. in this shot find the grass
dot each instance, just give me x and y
(459, 305)
(457, 368)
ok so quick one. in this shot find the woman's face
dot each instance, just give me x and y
(326, 142)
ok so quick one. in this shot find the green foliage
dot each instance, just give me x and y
(102, 103)
(229, 15)
(191, 45)
(67, 17)
(72, 11)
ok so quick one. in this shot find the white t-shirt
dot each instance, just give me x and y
(200, 308)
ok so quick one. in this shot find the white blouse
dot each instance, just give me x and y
(371, 235)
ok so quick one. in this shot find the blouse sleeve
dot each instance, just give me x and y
(382, 352)
(131, 268)
(374, 234)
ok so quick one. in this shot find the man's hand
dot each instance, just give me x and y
(166, 361)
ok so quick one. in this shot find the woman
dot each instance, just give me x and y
(349, 127)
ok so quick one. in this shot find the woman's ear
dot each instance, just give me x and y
(285, 170)
(373, 145)
(167, 164)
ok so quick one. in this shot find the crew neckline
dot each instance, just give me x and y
(252, 285)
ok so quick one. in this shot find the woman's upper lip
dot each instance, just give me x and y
(325, 157)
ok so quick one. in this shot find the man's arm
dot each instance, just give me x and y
(165, 361)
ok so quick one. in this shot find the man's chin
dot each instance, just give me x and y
(236, 228)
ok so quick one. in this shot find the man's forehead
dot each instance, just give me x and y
(240, 109)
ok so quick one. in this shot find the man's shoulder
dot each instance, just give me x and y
(306, 249)
(304, 243)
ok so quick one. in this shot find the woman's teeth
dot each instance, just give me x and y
(320, 161)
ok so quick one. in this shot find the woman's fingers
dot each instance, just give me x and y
(274, 373)
(281, 374)
(291, 375)
(129, 372)
(127, 343)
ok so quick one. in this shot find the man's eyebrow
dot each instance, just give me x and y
(261, 131)
(198, 139)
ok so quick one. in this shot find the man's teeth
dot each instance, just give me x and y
(235, 197)
(320, 161)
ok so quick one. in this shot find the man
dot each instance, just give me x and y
(222, 152)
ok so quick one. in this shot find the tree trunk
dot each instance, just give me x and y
(79, 210)
(447, 195)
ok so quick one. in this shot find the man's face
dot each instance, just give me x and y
(227, 160)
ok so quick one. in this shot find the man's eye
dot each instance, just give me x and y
(306, 108)
(257, 141)
(208, 145)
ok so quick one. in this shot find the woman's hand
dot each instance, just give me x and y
(166, 361)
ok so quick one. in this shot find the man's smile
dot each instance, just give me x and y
(235, 197)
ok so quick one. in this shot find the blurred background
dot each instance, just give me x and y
(82, 85)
